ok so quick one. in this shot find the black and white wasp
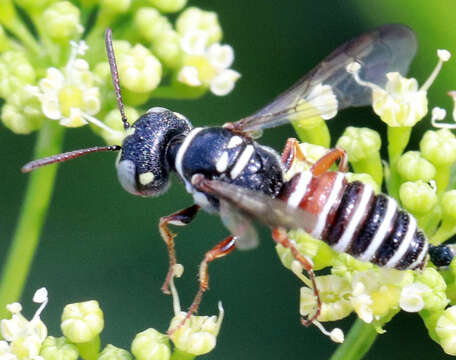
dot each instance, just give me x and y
(230, 174)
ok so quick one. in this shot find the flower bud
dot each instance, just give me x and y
(448, 204)
(193, 19)
(139, 70)
(15, 72)
(82, 322)
(435, 299)
(61, 21)
(412, 167)
(418, 197)
(198, 335)
(359, 143)
(439, 147)
(167, 47)
(168, 6)
(365, 179)
(151, 345)
(446, 330)
(110, 352)
(58, 349)
(114, 121)
(151, 24)
(21, 113)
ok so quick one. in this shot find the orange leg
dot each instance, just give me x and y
(220, 250)
(280, 236)
(323, 164)
(290, 152)
(179, 218)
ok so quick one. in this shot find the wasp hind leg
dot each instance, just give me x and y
(180, 218)
(280, 236)
(323, 164)
(290, 152)
(220, 250)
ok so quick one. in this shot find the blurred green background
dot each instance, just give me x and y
(101, 243)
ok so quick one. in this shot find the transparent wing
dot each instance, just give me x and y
(255, 205)
(239, 225)
(389, 48)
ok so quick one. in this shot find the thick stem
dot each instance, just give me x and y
(357, 343)
(31, 219)
(313, 131)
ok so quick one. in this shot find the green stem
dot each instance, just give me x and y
(32, 216)
(357, 343)
(89, 350)
(398, 138)
(181, 355)
(313, 131)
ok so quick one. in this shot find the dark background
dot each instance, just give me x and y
(101, 243)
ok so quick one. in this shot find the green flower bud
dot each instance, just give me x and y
(22, 113)
(363, 150)
(334, 294)
(15, 72)
(139, 70)
(417, 197)
(58, 349)
(446, 330)
(360, 143)
(61, 21)
(198, 335)
(194, 19)
(448, 204)
(412, 167)
(110, 352)
(439, 147)
(167, 47)
(116, 6)
(151, 345)
(151, 24)
(434, 299)
(169, 6)
(114, 121)
(82, 322)
(345, 265)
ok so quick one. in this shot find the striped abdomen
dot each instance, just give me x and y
(352, 219)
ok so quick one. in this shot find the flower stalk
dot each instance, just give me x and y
(33, 214)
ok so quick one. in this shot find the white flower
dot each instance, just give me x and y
(189, 76)
(411, 299)
(401, 102)
(23, 337)
(223, 83)
(220, 56)
(70, 95)
(195, 42)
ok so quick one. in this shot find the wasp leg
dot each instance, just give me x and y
(180, 218)
(280, 236)
(323, 164)
(290, 152)
(222, 249)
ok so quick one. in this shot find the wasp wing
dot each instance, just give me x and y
(255, 205)
(239, 225)
(389, 48)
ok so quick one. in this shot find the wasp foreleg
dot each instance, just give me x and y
(290, 152)
(280, 236)
(180, 218)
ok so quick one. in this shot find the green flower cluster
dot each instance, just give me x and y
(423, 182)
(81, 325)
(60, 72)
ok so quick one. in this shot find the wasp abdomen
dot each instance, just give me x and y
(352, 219)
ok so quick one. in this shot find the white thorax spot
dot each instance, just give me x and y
(146, 178)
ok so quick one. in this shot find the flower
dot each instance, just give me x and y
(23, 338)
(401, 102)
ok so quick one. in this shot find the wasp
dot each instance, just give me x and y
(229, 174)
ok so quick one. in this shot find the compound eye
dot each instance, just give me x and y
(126, 173)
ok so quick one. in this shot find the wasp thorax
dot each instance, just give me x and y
(143, 165)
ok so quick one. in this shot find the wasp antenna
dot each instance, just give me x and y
(32, 165)
(115, 76)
